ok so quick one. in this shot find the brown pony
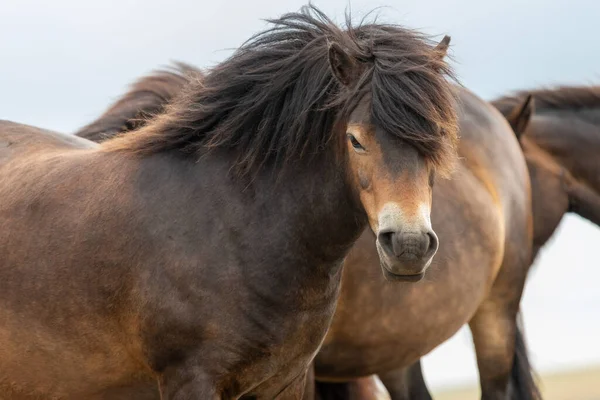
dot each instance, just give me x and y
(559, 133)
(483, 218)
(205, 250)
(484, 214)
(561, 143)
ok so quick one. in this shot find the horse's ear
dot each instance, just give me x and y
(520, 116)
(344, 67)
(442, 47)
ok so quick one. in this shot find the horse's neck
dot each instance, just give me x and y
(572, 138)
(580, 157)
(319, 207)
(569, 141)
(308, 216)
(293, 233)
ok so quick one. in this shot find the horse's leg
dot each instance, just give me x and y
(406, 383)
(494, 331)
(309, 384)
(365, 388)
(368, 388)
(504, 369)
(187, 382)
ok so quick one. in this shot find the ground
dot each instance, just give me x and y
(582, 384)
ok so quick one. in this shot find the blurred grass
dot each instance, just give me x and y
(581, 384)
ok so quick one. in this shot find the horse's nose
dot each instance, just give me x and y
(409, 246)
(407, 253)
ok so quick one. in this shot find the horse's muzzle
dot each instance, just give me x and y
(405, 256)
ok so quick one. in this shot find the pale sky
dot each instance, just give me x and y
(64, 61)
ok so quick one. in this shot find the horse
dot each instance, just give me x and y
(484, 213)
(147, 97)
(559, 134)
(483, 216)
(204, 252)
(558, 131)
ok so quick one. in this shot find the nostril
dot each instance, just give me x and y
(433, 243)
(385, 240)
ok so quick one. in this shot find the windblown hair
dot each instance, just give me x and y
(276, 99)
(549, 99)
(146, 98)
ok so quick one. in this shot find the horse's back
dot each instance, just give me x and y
(18, 139)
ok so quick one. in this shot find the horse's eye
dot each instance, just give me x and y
(431, 179)
(355, 143)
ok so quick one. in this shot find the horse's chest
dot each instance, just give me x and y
(282, 349)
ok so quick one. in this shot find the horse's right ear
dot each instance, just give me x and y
(520, 116)
(344, 67)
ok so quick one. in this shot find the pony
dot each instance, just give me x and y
(204, 252)
(558, 129)
(484, 213)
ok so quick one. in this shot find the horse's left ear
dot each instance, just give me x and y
(344, 67)
(520, 116)
(442, 47)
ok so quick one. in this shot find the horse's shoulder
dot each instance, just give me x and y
(491, 153)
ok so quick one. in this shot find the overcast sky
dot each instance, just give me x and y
(63, 61)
